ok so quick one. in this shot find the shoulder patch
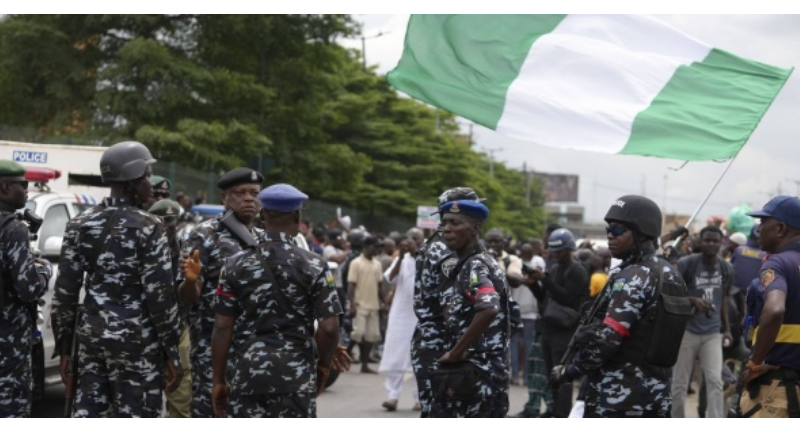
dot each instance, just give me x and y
(618, 284)
(329, 279)
(767, 277)
(473, 278)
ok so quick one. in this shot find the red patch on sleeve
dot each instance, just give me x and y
(222, 293)
(485, 290)
(616, 326)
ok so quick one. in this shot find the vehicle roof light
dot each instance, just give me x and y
(41, 175)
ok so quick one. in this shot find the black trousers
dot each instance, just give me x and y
(554, 345)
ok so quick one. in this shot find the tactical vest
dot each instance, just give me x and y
(655, 339)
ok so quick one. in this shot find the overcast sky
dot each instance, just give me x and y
(768, 162)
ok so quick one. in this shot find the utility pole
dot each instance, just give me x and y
(490, 152)
(364, 47)
(527, 183)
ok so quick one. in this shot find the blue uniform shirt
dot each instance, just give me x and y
(781, 271)
(746, 261)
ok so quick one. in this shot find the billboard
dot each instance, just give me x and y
(425, 219)
(558, 187)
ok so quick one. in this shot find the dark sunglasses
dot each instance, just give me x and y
(169, 219)
(23, 183)
(616, 230)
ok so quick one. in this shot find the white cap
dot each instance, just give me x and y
(738, 238)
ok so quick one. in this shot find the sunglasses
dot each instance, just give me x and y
(169, 219)
(616, 230)
(22, 183)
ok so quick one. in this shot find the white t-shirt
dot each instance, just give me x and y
(529, 307)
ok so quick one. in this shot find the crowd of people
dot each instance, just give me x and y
(249, 313)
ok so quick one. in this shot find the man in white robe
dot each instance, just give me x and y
(396, 360)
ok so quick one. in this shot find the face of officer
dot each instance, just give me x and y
(563, 257)
(243, 201)
(772, 231)
(620, 240)
(14, 191)
(144, 190)
(710, 243)
(459, 231)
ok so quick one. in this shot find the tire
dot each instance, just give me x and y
(37, 369)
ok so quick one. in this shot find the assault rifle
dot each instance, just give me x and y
(238, 229)
(72, 368)
(588, 317)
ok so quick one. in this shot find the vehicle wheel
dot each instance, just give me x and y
(37, 366)
(331, 378)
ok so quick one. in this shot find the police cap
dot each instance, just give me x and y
(281, 198)
(161, 184)
(469, 208)
(11, 169)
(239, 176)
(165, 207)
(783, 208)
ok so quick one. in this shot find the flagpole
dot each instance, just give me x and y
(710, 192)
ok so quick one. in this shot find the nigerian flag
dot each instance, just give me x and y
(618, 84)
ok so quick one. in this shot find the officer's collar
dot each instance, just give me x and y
(117, 201)
(278, 237)
(790, 246)
(471, 251)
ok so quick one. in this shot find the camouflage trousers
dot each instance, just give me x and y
(489, 402)
(537, 381)
(424, 364)
(202, 378)
(119, 383)
(15, 388)
(296, 405)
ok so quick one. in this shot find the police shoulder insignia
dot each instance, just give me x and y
(329, 279)
(618, 285)
(473, 278)
(767, 276)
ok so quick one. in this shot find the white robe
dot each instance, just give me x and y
(402, 320)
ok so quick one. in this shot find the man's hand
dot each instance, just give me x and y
(700, 304)
(174, 377)
(556, 377)
(451, 358)
(322, 378)
(754, 371)
(536, 275)
(341, 359)
(191, 267)
(219, 399)
(69, 392)
(727, 336)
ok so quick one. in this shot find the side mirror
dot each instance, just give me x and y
(52, 246)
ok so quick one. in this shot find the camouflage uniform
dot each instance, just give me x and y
(215, 244)
(130, 319)
(23, 283)
(275, 292)
(479, 285)
(427, 345)
(623, 389)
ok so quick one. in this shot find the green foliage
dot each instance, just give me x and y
(213, 92)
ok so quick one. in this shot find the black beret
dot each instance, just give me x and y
(239, 176)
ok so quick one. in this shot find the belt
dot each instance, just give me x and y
(789, 334)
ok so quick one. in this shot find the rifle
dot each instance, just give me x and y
(72, 368)
(588, 317)
(237, 228)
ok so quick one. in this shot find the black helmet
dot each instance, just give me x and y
(638, 212)
(561, 239)
(356, 238)
(458, 193)
(125, 161)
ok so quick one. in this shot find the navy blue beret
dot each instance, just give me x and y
(239, 176)
(469, 208)
(282, 198)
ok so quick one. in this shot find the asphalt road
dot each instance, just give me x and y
(353, 395)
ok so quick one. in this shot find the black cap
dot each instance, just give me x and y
(239, 176)
(371, 241)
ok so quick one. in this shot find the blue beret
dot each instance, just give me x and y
(281, 198)
(239, 176)
(466, 207)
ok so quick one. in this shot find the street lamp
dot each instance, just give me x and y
(364, 46)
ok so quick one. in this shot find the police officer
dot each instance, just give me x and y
(771, 378)
(178, 402)
(477, 321)
(210, 243)
(129, 325)
(23, 279)
(625, 351)
(268, 300)
(427, 344)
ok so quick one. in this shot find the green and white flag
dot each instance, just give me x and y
(620, 84)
